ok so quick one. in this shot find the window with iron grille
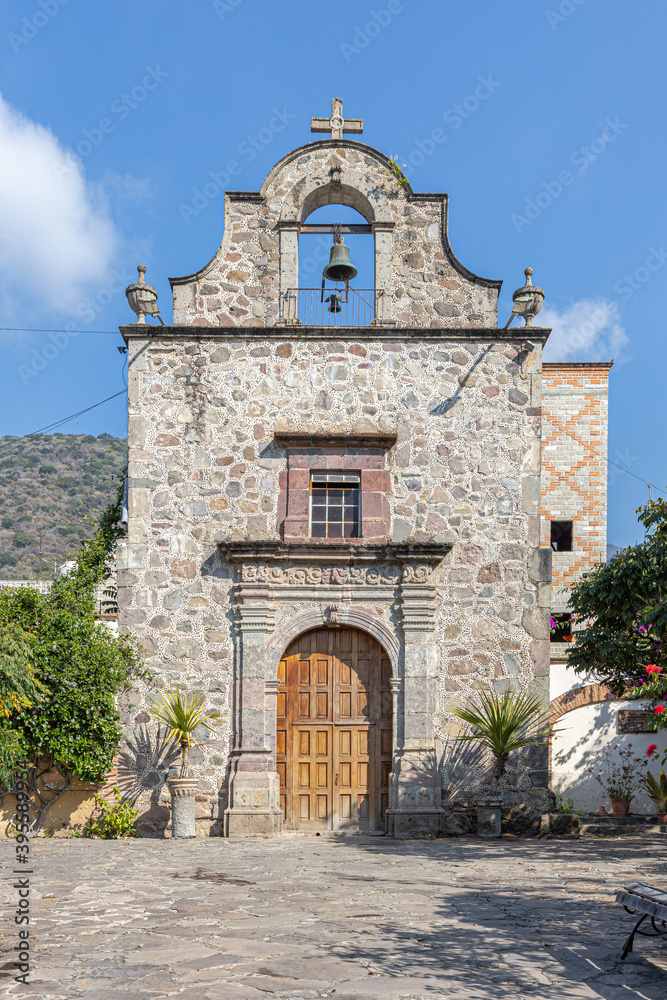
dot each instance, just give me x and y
(334, 505)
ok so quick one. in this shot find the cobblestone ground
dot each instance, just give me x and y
(349, 918)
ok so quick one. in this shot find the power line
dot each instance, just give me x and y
(73, 416)
(646, 483)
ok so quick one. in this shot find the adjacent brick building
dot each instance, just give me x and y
(574, 470)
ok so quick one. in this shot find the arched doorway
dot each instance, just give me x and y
(334, 732)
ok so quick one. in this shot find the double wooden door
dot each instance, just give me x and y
(334, 732)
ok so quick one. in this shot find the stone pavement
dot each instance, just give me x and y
(349, 918)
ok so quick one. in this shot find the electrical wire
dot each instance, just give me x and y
(73, 416)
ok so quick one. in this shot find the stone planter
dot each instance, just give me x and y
(183, 791)
(489, 816)
(620, 807)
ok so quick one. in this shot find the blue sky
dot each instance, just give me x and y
(549, 137)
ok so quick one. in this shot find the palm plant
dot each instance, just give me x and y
(182, 715)
(506, 723)
(656, 789)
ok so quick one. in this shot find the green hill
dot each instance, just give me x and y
(54, 488)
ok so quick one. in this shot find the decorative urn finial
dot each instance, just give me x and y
(142, 298)
(527, 300)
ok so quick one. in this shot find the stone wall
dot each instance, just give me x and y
(204, 472)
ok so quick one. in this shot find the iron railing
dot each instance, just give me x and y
(337, 306)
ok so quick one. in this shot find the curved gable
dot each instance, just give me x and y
(422, 282)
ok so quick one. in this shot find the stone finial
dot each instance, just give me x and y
(527, 300)
(142, 298)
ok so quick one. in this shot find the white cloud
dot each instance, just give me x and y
(589, 330)
(57, 240)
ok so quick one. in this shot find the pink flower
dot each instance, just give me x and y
(651, 749)
(659, 709)
(652, 669)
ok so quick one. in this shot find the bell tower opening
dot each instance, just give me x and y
(336, 268)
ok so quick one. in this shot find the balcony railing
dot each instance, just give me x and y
(337, 306)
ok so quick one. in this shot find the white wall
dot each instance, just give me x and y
(584, 733)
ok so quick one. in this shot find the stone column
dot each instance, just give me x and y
(289, 268)
(254, 786)
(416, 787)
(383, 233)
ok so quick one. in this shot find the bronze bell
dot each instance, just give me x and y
(340, 267)
(334, 303)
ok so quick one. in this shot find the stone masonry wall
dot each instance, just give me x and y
(247, 281)
(204, 468)
(574, 466)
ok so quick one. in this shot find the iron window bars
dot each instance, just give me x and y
(334, 505)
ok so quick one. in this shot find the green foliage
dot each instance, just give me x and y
(11, 753)
(397, 172)
(656, 789)
(622, 608)
(19, 688)
(21, 540)
(505, 723)
(182, 714)
(566, 806)
(83, 665)
(116, 819)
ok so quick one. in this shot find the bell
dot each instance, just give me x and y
(340, 267)
(334, 303)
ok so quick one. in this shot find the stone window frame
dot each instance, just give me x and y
(335, 453)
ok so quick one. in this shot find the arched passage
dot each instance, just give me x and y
(334, 731)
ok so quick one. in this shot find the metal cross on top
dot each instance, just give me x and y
(337, 124)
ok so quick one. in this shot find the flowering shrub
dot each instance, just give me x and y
(620, 777)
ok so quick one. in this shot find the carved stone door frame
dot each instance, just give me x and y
(281, 590)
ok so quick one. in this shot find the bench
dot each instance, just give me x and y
(640, 898)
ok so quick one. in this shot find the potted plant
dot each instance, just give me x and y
(502, 724)
(182, 714)
(620, 778)
(656, 788)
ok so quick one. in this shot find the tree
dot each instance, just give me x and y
(621, 608)
(504, 723)
(183, 714)
(81, 662)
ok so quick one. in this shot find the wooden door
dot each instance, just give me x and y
(334, 734)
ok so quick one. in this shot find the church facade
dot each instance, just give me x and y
(334, 530)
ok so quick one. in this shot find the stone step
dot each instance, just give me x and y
(607, 826)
